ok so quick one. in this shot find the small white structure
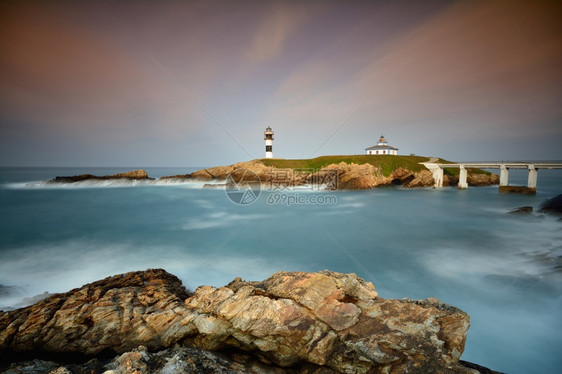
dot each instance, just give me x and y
(268, 136)
(382, 148)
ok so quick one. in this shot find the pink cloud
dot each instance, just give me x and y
(280, 21)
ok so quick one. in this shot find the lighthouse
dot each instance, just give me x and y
(268, 136)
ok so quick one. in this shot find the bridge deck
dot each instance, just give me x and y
(533, 167)
(499, 165)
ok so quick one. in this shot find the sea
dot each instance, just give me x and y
(460, 246)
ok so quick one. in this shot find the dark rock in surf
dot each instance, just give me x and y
(9, 290)
(479, 368)
(552, 206)
(179, 177)
(518, 189)
(524, 210)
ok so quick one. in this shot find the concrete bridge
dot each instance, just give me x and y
(533, 167)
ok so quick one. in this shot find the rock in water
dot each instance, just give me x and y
(553, 205)
(133, 174)
(140, 174)
(518, 189)
(329, 319)
(481, 179)
(523, 210)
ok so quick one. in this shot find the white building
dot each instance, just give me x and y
(382, 148)
(268, 137)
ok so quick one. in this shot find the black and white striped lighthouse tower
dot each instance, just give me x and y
(268, 136)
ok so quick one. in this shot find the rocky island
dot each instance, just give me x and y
(331, 172)
(130, 175)
(291, 322)
(340, 172)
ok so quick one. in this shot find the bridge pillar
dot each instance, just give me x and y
(437, 177)
(462, 177)
(504, 175)
(532, 179)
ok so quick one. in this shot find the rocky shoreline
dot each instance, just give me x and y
(292, 322)
(341, 176)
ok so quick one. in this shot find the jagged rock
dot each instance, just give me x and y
(180, 360)
(328, 319)
(32, 367)
(450, 180)
(323, 320)
(219, 172)
(481, 179)
(238, 172)
(423, 178)
(93, 366)
(402, 176)
(117, 313)
(553, 206)
(357, 177)
(133, 175)
(176, 360)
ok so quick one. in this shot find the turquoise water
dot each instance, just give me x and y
(459, 246)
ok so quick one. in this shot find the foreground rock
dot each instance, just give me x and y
(117, 313)
(290, 320)
(176, 360)
(130, 175)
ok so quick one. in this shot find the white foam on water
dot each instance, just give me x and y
(220, 219)
(112, 183)
(520, 252)
(62, 267)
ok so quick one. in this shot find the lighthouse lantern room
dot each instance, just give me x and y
(268, 136)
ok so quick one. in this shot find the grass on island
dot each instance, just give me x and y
(388, 163)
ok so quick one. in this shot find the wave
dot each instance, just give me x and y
(517, 255)
(70, 264)
(111, 183)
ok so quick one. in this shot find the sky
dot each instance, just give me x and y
(195, 83)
